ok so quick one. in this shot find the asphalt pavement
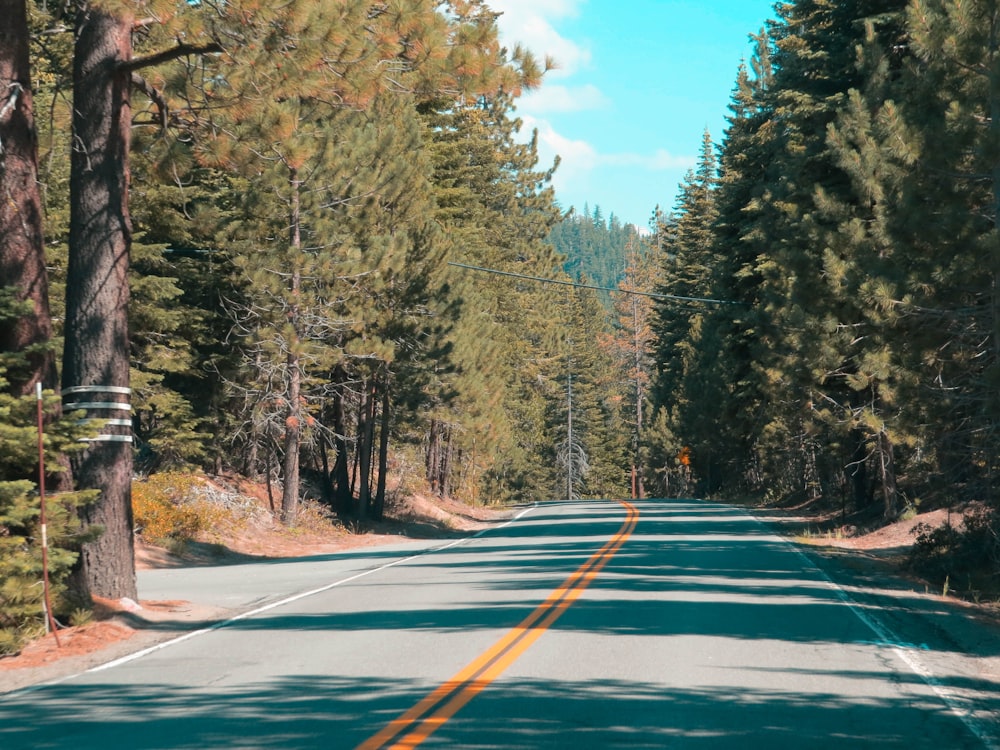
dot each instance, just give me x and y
(584, 625)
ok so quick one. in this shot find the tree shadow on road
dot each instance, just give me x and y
(316, 711)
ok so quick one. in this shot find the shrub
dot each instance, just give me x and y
(966, 557)
(165, 510)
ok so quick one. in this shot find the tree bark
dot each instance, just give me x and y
(446, 465)
(22, 247)
(887, 465)
(326, 485)
(293, 422)
(638, 490)
(293, 439)
(433, 450)
(96, 352)
(22, 239)
(383, 452)
(366, 434)
(341, 474)
(994, 257)
(858, 469)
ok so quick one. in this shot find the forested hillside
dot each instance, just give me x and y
(594, 248)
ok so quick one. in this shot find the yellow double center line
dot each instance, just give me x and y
(421, 721)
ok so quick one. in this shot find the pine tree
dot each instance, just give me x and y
(735, 277)
(181, 269)
(466, 392)
(862, 266)
(958, 46)
(805, 434)
(96, 329)
(22, 252)
(95, 356)
(596, 443)
(593, 248)
(403, 307)
(688, 258)
(914, 142)
(22, 613)
(630, 345)
(27, 361)
(342, 244)
(496, 208)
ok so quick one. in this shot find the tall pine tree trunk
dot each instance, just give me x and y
(439, 457)
(638, 490)
(993, 416)
(96, 353)
(326, 485)
(293, 420)
(887, 470)
(857, 470)
(433, 452)
(383, 452)
(22, 249)
(293, 439)
(341, 473)
(366, 434)
(446, 465)
(22, 243)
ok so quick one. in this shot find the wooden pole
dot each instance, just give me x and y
(50, 620)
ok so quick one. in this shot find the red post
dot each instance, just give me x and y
(50, 621)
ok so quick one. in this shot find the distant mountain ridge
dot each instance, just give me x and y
(593, 248)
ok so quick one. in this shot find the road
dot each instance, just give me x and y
(585, 625)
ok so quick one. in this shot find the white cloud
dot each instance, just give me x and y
(663, 159)
(556, 98)
(529, 22)
(602, 167)
(579, 157)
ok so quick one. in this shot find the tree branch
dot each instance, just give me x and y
(155, 96)
(181, 50)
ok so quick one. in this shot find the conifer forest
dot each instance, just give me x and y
(303, 241)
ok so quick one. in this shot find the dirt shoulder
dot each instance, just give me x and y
(953, 641)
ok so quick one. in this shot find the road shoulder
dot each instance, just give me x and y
(954, 645)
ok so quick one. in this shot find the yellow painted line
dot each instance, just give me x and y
(417, 724)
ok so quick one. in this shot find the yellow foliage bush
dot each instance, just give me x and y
(166, 507)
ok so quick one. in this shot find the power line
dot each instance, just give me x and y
(578, 285)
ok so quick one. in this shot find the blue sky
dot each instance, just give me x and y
(639, 82)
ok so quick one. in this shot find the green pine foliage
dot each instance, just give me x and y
(295, 198)
(943, 130)
(593, 247)
(683, 389)
(22, 614)
(740, 198)
(852, 226)
(488, 433)
(180, 272)
(295, 212)
(629, 345)
(596, 458)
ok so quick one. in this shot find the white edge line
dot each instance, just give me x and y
(267, 607)
(908, 655)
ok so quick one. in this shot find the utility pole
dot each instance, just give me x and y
(637, 488)
(569, 430)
